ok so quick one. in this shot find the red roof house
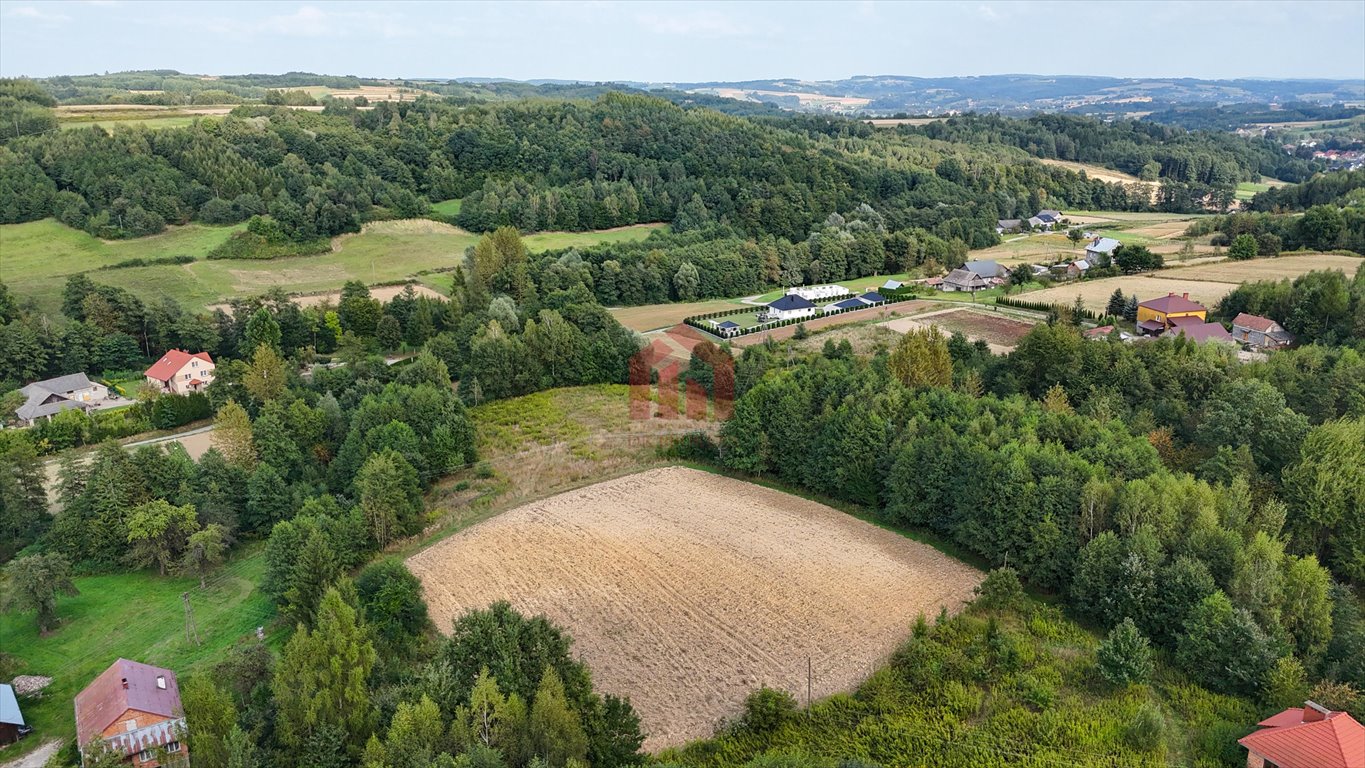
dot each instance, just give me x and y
(180, 372)
(1308, 737)
(135, 710)
(1202, 332)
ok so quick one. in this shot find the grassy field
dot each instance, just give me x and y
(1248, 189)
(112, 123)
(39, 256)
(447, 208)
(138, 616)
(651, 316)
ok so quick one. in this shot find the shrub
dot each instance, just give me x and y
(1147, 731)
(1125, 657)
(766, 709)
(1001, 590)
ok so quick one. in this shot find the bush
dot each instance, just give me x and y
(693, 446)
(1147, 731)
(766, 709)
(1001, 590)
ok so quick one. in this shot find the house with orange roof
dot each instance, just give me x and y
(180, 373)
(1311, 736)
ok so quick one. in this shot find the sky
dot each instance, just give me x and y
(688, 41)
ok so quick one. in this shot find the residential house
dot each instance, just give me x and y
(1036, 223)
(45, 399)
(986, 268)
(872, 297)
(1004, 226)
(845, 305)
(1050, 216)
(135, 710)
(1156, 316)
(180, 372)
(789, 307)
(1077, 268)
(1311, 736)
(1201, 332)
(963, 280)
(11, 719)
(726, 328)
(1260, 333)
(817, 292)
(1100, 250)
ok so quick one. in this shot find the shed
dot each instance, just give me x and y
(11, 719)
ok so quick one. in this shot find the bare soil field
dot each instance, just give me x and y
(1103, 174)
(910, 307)
(651, 317)
(1095, 293)
(686, 591)
(1000, 333)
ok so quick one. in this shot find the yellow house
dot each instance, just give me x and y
(1156, 316)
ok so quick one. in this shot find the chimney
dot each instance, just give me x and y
(1313, 712)
(161, 682)
(1185, 295)
(125, 683)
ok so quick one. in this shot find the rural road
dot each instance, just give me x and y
(196, 443)
(37, 758)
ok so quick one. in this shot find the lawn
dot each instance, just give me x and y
(138, 616)
(856, 285)
(39, 256)
(1248, 189)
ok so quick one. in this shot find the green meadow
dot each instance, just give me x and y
(37, 257)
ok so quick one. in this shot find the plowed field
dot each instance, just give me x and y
(686, 591)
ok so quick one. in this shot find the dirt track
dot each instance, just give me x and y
(686, 591)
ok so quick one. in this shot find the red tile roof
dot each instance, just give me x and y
(1172, 303)
(170, 364)
(106, 697)
(1337, 741)
(1255, 322)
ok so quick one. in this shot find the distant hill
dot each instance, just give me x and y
(892, 94)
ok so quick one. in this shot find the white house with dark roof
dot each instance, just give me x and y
(789, 307)
(726, 328)
(45, 399)
(1100, 248)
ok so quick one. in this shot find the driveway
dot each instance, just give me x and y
(35, 759)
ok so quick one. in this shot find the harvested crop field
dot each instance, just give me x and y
(1096, 293)
(1290, 266)
(686, 591)
(649, 317)
(1000, 333)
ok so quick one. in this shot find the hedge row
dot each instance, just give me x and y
(1043, 306)
(696, 320)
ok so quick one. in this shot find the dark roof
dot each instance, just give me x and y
(1152, 325)
(48, 397)
(1205, 332)
(984, 267)
(850, 304)
(791, 301)
(1255, 323)
(727, 324)
(105, 698)
(965, 278)
(1172, 303)
(1008, 223)
(9, 706)
(872, 297)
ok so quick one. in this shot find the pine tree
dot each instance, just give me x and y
(1117, 302)
(1125, 657)
(322, 679)
(556, 732)
(313, 572)
(211, 716)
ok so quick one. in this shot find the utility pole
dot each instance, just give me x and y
(191, 632)
(808, 684)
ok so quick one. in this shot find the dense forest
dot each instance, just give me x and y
(620, 159)
(1192, 166)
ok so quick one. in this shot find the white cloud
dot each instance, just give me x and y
(34, 14)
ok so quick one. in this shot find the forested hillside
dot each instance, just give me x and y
(1191, 166)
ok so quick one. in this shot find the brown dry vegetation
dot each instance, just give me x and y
(1288, 266)
(1096, 293)
(650, 317)
(686, 590)
(860, 316)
